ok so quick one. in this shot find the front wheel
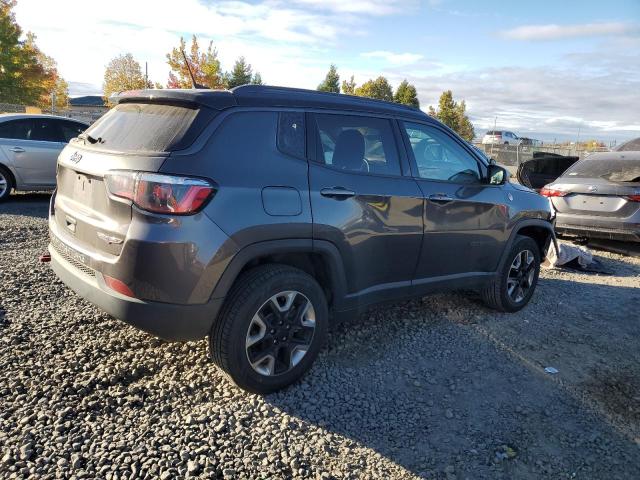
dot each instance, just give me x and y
(6, 184)
(517, 280)
(271, 329)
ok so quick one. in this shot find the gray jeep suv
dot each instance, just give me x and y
(258, 216)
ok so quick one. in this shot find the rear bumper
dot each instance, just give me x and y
(609, 230)
(172, 322)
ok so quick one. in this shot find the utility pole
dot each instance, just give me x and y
(495, 121)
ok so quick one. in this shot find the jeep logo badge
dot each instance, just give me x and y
(76, 157)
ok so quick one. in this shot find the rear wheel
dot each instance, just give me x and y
(271, 328)
(517, 281)
(6, 183)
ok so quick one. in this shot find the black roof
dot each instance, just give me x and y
(268, 96)
(87, 101)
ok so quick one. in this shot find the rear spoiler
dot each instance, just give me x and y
(215, 99)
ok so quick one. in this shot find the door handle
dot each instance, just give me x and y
(440, 197)
(17, 149)
(337, 192)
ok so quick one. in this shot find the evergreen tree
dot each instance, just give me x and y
(241, 74)
(331, 82)
(407, 95)
(453, 115)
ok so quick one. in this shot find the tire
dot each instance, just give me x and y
(6, 183)
(497, 294)
(253, 310)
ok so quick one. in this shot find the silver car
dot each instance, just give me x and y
(29, 148)
(599, 197)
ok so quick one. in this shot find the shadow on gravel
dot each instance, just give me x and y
(27, 204)
(429, 393)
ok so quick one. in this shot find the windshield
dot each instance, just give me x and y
(148, 127)
(611, 170)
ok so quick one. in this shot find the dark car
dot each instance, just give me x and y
(257, 216)
(599, 197)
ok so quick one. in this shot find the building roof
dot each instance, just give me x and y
(268, 96)
(87, 101)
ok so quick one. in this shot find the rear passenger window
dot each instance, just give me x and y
(46, 130)
(291, 134)
(358, 144)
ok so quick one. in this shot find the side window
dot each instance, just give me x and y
(16, 129)
(440, 157)
(360, 144)
(291, 134)
(71, 130)
(46, 130)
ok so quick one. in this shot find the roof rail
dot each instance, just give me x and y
(249, 90)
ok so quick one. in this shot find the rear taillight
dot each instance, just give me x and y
(633, 198)
(118, 286)
(160, 193)
(552, 192)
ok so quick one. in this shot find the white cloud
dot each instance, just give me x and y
(363, 7)
(557, 32)
(394, 58)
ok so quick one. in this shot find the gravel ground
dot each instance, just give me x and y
(439, 387)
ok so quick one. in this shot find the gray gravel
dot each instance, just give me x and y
(434, 388)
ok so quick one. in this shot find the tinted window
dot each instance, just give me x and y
(46, 130)
(16, 129)
(614, 170)
(360, 144)
(71, 130)
(440, 157)
(149, 127)
(291, 133)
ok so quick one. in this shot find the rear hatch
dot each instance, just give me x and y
(134, 135)
(601, 188)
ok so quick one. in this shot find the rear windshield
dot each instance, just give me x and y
(611, 170)
(149, 127)
(494, 132)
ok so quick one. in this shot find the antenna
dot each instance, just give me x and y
(194, 84)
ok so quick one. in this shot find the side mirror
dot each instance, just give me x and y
(492, 161)
(497, 175)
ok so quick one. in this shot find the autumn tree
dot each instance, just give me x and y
(204, 65)
(55, 89)
(453, 115)
(407, 95)
(378, 88)
(27, 76)
(331, 82)
(242, 74)
(349, 87)
(123, 73)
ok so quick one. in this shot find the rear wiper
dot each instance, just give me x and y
(86, 136)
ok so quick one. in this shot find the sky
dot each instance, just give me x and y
(543, 69)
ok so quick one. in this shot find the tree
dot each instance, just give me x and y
(453, 115)
(27, 76)
(407, 95)
(331, 82)
(378, 88)
(349, 87)
(257, 79)
(54, 87)
(121, 74)
(204, 65)
(242, 74)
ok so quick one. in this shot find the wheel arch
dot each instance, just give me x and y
(11, 174)
(540, 231)
(319, 259)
